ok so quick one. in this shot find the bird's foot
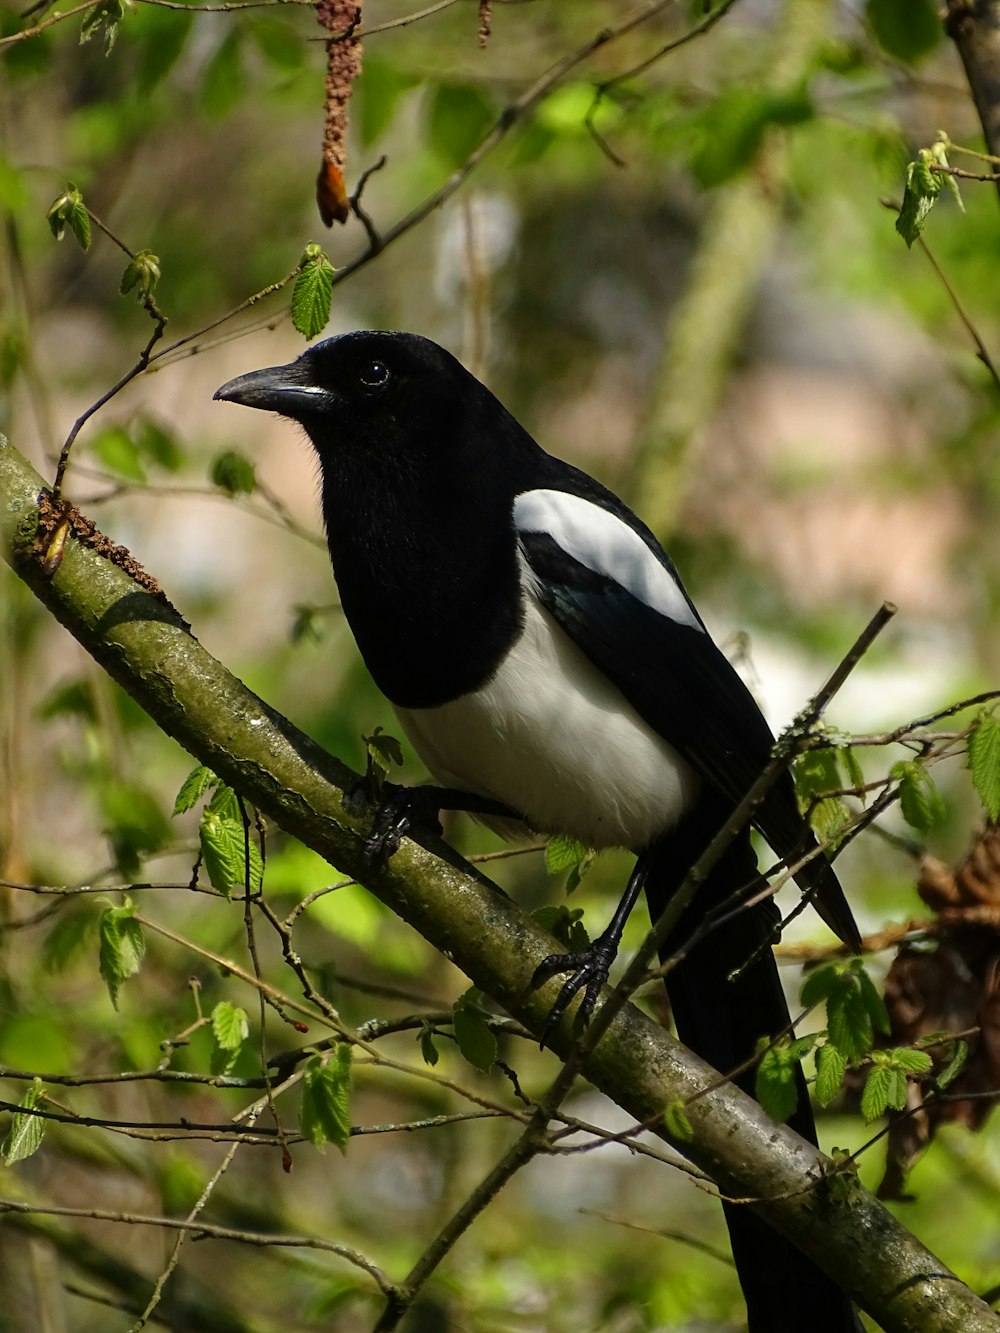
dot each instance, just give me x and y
(400, 810)
(589, 971)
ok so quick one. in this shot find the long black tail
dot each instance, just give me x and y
(721, 1020)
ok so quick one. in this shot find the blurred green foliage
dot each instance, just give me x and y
(852, 456)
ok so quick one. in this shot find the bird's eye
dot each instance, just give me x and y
(375, 375)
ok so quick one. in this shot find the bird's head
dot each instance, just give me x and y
(363, 391)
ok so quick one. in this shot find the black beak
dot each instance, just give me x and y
(283, 389)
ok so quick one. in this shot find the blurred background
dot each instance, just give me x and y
(681, 273)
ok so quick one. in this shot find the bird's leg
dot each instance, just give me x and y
(402, 809)
(589, 969)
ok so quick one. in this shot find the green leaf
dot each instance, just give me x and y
(854, 1007)
(383, 749)
(565, 923)
(853, 772)
(162, 36)
(676, 1122)
(820, 983)
(122, 946)
(74, 699)
(920, 195)
(459, 116)
(67, 937)
(224, 81)
(730, 131)
(70, 210)
(873, 1002)
(907, 1059)
(233, 473)
(199, 781)
(472, 1033)
(142, 273)
(879, 1092)
(26, 1131)
(905, 29)
(117, 451)
(830, 1070)
(921, 803)
(428, 1051)
(376, 97)
(577, 872)
(848, 1022)
(984, 762)
(828, 818)
(815, 773)
(157, 444)
(108, 16)
(307, 623)
(134, 824)
(777, 1075)
(326, 1097)
(561, 853)
(280, 43)
(312, 293)
(231, 857)
(957, 1056)
(230, 1027)
(939, 152)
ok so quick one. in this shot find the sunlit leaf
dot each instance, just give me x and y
(326, 1097)
(984, 762)
(26, 1131)
(312, 293)
(122, 946)
(199, 781)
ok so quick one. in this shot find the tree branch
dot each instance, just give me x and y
(974, 27)
(146, 646)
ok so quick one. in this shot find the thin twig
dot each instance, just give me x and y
(175, 1255)
(209, 1231)
(981, 350)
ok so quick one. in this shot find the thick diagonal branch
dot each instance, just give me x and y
(146, 646)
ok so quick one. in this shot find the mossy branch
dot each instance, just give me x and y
(127, 625)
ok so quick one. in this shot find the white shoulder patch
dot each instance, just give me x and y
(602, 543)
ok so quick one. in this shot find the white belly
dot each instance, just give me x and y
(551, 738)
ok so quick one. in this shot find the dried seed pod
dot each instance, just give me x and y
(340, 18)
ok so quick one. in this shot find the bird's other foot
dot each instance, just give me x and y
(588, 971)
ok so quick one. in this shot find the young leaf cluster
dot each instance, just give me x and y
(855, 1013)
(107, 15)
(142, 273)
(229, 854)
(818, 774)
(69, 210)
(923, 185)
(326, 1098)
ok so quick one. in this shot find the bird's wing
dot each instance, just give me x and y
(618, 598)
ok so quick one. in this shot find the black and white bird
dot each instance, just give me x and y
(543, 656)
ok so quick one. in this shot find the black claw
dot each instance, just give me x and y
(400, 810)
(589, 972)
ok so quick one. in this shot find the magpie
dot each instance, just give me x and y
(546, 662)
